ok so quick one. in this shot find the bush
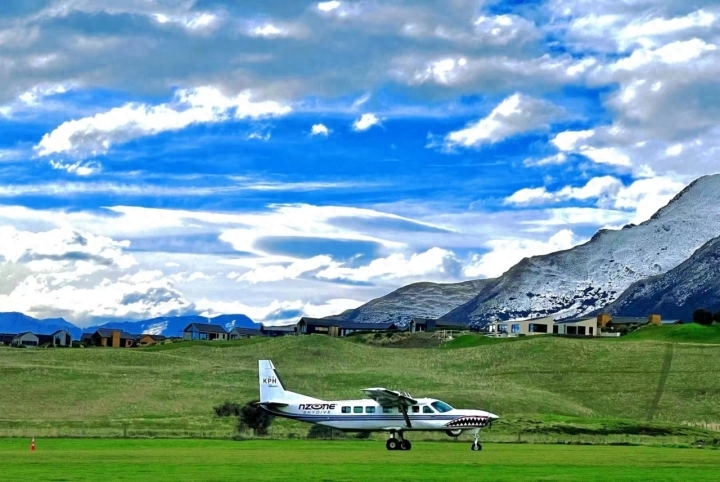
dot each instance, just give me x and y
(254, 417)
(227, 409)
(716, 317)
(702, 316)
(321, 431)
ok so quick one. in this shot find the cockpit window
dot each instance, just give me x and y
(441, 407)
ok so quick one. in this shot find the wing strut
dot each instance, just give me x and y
(405, 414)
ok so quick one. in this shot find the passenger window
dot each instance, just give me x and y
(415, 409)
(346, 410)
(357, 410)
(369, 409)
(387, 410)
(427, 409)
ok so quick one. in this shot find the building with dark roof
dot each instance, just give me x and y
(112, 338)
(278, 330)
(335, 327)
(205, 331)
(147, 339)
(240, 333)
(26, 339)
(7, 338)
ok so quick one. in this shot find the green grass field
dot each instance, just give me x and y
(216, 460)
(546, 389)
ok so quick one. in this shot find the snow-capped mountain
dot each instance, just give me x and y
(174, 325)
(590, 276)
(418, 300)
(693, 284)
(166, 325)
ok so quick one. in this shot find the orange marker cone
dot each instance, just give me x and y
(32, 445)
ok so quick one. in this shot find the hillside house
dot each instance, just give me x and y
(6, 338)
(112, 338)
(278, 330)
(418, 325)
(240, 333)
(57, 339)
(614, 323)
(534, 326)
(338, 328)
(205, 331)
(147, 339)
(587, 326)
(26, 339)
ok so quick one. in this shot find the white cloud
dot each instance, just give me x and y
(121, 124)
(275, 272)
(365, 122)
(504, 253)
(319, 130)
(268, 30)
(514, 115)
(79, 168)
(434, 261)
(559, 158)
(328, 6)
(443, 71)
(193, 22)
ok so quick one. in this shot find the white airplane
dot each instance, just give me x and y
(388, 411)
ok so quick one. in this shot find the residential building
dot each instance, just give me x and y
(587, 326)
(422, 325)
(336, 328)
(112, 338)
(6, 338)
(534, 326)
(147, 339)
(240, 333)
(27, 339)
(59, 338)
(205, 331)
(278, 330)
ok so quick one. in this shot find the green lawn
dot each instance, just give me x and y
(686, 333)
(538, 385)
(214, 460)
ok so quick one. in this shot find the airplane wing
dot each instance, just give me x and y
(390, 398)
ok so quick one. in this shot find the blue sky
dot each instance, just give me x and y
(287, 158)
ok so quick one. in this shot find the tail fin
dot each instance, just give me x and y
(272, 389)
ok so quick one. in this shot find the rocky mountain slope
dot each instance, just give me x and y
(590, 276)
(418, 300)
(693, 284)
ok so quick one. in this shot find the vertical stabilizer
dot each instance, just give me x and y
(272, 389)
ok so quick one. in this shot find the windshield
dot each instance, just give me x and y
(441, 407)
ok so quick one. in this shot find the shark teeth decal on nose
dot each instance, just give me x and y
(468, 422)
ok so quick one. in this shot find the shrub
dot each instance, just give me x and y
(702, 316)
(716, 317)
(254, 417)
(227, 409)
(321, 431)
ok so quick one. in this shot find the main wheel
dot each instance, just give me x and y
(392, 444)
(405, 445)
(476, 446)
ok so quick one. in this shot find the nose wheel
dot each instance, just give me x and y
(475, 447)
(398, 444)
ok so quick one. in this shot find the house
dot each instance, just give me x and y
(335, 327)
(59, 338)
(6, 338)
(204, 331)
(240, 333)
(112, 338)
(613, 323)
(533, 326)
(86, 339)
(147, 339)
(587, 326)
(418, 325)
(278, 330)
(27, 339)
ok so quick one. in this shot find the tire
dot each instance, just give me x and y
(405, 445)
(392, 444)
(476, 447)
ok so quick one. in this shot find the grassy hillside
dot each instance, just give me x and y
(686, 333)
(173, 388)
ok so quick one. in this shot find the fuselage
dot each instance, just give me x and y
(367, 414)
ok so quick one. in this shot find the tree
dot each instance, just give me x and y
(716, 317)
(254, 417)
(702, 316)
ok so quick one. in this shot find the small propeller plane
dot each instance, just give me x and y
(386, 411)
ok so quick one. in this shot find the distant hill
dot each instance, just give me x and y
(676, 294)
(166, 325)
(17, 322)
(418, 300)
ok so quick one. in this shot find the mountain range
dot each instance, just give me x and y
(166, 325)
(588, 277)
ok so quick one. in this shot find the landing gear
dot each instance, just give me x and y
(476, 443)
(397, 444)
(392, 444)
